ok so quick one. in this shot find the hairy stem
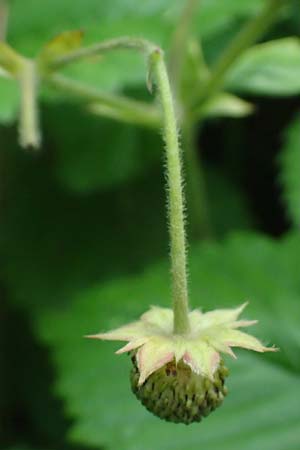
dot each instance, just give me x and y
(29, 123)
(109, 105)
(246, 37)
(175, 197)
(156, 67)
(141, 45)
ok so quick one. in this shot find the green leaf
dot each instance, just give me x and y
(10, 96)
(61, 44)
(54, 240)
(272, 69)
(215, 16)
(290, 170)
(10, 65)
(33, 23)
(223, 196)
(262, 410)
(93, 153)
(10, 61)
(227, 105)
(28, 32)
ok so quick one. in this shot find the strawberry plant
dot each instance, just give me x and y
(130, 130)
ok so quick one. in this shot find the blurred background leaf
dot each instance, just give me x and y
(272, 68)
(227, 105)
(289, 170)
(9, 94)
(71, 239)
(95, 386)
(111, 153)
(28, 33)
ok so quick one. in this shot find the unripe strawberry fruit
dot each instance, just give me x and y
(180, 377)
(177, 394)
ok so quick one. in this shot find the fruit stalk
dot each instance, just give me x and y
(175, 196)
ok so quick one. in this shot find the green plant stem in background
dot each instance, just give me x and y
(198, 214)
(142, 45)
(179, 43)
(175, 197)
(248, 35)
(29, 122)
(195, 187)
(113, 106)
(197, 205)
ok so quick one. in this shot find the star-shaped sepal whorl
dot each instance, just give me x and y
(181, 378)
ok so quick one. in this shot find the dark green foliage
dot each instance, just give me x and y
(243, 267)
(289, 171)
(270, 69)
(29, 31)
(99, 163)
(9, 100)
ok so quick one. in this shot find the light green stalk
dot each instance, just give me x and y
(142, 45)
(157, 68)
(175, 197)
(179, 42)
(109, 105)
(29, 121)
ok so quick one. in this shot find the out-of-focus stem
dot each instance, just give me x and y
(29, 122)
(246, 37)
(198, 214)
(137, 44)
(109, 105)
(179, 42)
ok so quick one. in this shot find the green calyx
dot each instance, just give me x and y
(176, 394)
